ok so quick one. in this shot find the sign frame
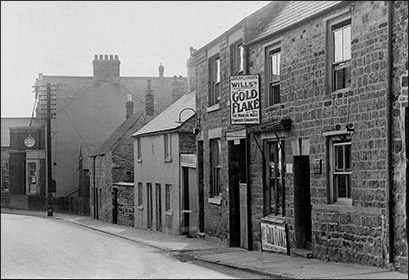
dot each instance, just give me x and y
(245, 99)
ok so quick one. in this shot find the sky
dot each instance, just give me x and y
(62, 38)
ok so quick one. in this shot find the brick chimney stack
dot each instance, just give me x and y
(191, 71)
(149, 100)
(129, 106)
(106, 69)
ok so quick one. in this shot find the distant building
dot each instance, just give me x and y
(89, 109)
(8, 123)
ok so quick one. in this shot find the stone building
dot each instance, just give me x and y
(307, 102)
(166, 192)
(112, 167)
(89, 109)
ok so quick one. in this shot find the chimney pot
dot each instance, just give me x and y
(96, 56)
(111, 57)
(101, 56)
(161, 70)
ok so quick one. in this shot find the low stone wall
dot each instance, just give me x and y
(71, 205)
(5, 199)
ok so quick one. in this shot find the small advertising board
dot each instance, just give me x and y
(245, 99)
(274, 235)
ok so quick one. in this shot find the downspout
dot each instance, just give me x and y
(389, 123)
(93, 183)
(248, 147)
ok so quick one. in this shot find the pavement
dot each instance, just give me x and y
(274, 265)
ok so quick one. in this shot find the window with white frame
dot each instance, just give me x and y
(168, 190)
(339, 51)
(237, 59)
(272, 72)
(340, 169)
(214, 74)
(215, 151)
(167, 140)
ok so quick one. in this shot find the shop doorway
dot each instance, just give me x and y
(302, 202)
(238, 194)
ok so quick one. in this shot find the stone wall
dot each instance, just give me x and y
(400, 152)
(217, 216)
(359, 234)
(126, 205)
(103, 186)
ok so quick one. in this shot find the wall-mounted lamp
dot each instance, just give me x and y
(350, 128)
(196, 129)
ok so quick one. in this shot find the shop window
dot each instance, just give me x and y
(168, 189)
(32, 177)
(215, 188)
(275, 177)
(168, 146)
(214, 74)
(340, 170)
(237, 59)
(272, 72)
(339, 51)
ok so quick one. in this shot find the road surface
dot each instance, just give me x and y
(35, 247)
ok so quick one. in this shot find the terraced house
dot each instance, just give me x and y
(303, 108)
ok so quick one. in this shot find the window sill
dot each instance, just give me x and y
(167, 160)
(140, 207)
(215, 200)
(338, 91)
(168, 213)
(139, 160)
(212, 108)
(343, 201)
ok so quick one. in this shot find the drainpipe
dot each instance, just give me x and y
(248, 147)
(389, 123)
(93, 182)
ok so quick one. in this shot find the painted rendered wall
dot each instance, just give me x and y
(153, 168)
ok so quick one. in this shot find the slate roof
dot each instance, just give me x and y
(286, 13)
(70, 87)
(120, 132)
(167, 119)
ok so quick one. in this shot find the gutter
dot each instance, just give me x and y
(389, 123)
(295, 24)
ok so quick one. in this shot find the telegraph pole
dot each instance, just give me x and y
(46, 112)
(48, 151)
